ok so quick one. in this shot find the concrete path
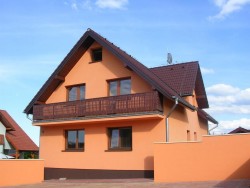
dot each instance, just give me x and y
(137, 183)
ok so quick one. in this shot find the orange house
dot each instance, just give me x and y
(101, 111)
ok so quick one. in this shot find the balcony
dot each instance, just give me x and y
(143, 103)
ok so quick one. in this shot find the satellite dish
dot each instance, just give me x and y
(170, 60)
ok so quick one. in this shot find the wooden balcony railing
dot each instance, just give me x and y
(133, 103)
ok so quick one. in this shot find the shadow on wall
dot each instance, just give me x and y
(243, 172)
(149, 164)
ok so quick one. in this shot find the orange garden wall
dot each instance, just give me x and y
(17, 172)
(215, 158)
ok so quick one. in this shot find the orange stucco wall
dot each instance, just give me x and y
(182, 120)
(215, 158)
(95, 76)
(95, 156)
(17, 172)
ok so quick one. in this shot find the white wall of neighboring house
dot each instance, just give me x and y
(6, 143)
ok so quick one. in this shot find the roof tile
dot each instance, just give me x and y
(17, 137)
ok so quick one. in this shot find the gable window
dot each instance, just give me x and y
(120, 138)
(96, 55)
(76, 92)
(75, 139)
(119, 87)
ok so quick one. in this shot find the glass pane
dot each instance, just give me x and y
(82, 92)
(114, 140)
(73, 94)
(71, 139)
(81, 139)
(125, 87)
(97, 55)
(113, 88)
(126, 137)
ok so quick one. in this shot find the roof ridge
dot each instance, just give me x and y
(172, 65)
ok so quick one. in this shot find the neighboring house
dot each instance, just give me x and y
(239, 130)
(13, 140)
(101, 111)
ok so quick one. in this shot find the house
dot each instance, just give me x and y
(239, 130)
(101, 111)
(13, 140)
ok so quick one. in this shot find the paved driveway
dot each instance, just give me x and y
(137, 183)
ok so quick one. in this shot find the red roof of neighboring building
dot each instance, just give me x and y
(184, 78)
(239, 130)
(16, 136)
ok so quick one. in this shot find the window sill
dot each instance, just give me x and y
(95, 61)
(118, 150)
(73, 150)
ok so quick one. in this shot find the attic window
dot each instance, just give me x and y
(96, 54)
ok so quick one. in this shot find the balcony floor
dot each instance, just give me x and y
(101, 119)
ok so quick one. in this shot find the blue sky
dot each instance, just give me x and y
(36, 35)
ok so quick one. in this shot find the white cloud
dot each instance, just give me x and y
(227, 99)
(90, 4)
(87, 5)
(227, 126)
(206, 70)
(228, 6)
(112, 4)
(74, 6)
(222, 89)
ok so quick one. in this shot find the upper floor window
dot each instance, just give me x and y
(96, 54)
(74, 139)
(76, 92)
(119, 87)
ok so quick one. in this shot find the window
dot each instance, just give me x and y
(75, 139)
(96, 55)
(76, 92)
(120, 138)
(188, 135)
(119, 87)
(195, 136)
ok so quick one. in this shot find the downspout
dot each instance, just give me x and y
(213, 128)
(168, 115)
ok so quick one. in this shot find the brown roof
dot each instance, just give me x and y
(206, 116)
(239, 130)
(184, 78)
(16, 136)
(76, 52)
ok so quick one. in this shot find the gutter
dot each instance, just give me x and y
(168, 115)
(213, 128)
(27, 116)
